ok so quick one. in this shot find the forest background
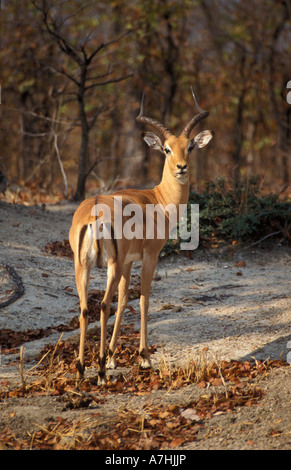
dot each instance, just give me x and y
(73, 73)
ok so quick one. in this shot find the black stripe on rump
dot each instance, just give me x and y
(114, 241)
(99, 257)
(81, 238)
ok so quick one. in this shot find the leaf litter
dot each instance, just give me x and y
(150, 427)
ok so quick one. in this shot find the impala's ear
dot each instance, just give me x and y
(203, 138)
(153, 141)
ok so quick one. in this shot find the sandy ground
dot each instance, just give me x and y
(235, 303)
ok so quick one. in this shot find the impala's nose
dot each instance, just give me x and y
(182, 168)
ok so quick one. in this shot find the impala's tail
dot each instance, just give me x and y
(92, 245)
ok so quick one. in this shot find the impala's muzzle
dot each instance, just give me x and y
(182, 171)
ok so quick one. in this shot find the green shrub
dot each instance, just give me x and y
(238, 212)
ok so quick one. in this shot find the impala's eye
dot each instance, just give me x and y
(167, 150)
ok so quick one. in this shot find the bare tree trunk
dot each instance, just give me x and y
(83, 154)
(238, 127)
(82, 81)
(283, 117)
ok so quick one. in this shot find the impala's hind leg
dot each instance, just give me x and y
(82, 281)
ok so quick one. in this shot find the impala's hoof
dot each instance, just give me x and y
(101, 372)
(145, 362)
(101, 380)
(80, 369)
(111, 363)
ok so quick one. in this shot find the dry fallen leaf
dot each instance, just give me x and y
(240, 264)
(190, 414)
(177, 442)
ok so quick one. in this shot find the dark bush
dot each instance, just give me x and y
(239, 212)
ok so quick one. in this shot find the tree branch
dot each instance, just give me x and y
(111, 80)
(97, 113)
(106, 44)
(69, 76)
(52, 29)
(61, 164)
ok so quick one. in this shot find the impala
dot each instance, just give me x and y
(98, 240)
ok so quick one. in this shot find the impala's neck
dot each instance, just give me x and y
(171, 190)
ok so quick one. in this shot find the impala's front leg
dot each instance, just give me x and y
(102, 355)
(122, 302)
(148, 267)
